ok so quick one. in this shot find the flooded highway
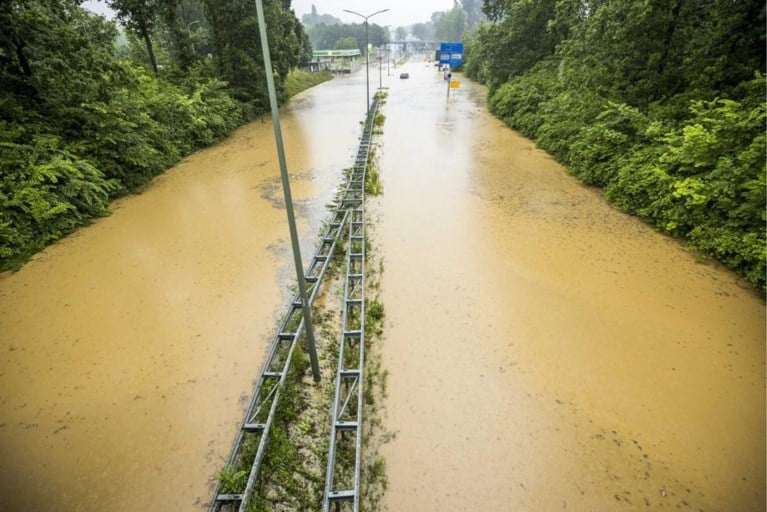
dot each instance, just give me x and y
(545, 351)
(128, 350)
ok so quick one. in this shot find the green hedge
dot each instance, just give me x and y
(701, 177)
(53, 182)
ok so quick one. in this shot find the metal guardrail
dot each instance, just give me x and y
(266, 395)
(342, 478)
(262, 409)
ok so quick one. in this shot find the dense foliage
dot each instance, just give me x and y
(238, 45)
(87, 114)
(660, 102)
(449, 25)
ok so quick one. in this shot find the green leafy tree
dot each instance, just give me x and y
(522, 37)
(495, 10)
(473, 10)
(79, 125)
(238, 46)
(660, 102)
(324, 37)
(345, 43)
(139, 16)
(645, 52)
(178, 30)
(451, 25)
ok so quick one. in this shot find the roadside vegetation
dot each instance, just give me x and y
(91, 110)
(660, 103)
(299, 80)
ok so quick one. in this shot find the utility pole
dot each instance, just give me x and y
(288, 197)
(380, 69)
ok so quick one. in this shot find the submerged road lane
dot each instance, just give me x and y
(128, 350)
(546, 352)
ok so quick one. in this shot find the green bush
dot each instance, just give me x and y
(81, 123)
(595, 153)
(701, 177)
(705, 180)
(518, 101)
(565, 115)
(54, 182)
(46, 191)
(660, 103)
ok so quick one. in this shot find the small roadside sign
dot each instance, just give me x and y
(455, 84)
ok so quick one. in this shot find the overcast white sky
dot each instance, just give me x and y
(402, 12)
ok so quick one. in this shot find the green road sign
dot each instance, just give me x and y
(336, 53)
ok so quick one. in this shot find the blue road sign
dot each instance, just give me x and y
(451, 53)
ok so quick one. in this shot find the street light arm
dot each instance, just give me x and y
(355, 12)
(362, 15)
(377, 12)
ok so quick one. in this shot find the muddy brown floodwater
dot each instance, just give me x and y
(545, 351)
(128, 351)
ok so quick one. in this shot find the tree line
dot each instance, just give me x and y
(660, 102)
(448, 25)
(326, 32)
(90, 111)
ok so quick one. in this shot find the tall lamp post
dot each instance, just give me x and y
(305, 306)
(367, 53)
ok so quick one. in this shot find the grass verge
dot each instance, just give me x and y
(298, 80)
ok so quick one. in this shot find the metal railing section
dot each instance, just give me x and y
(342, 478)
(266, 395)
(262, 409)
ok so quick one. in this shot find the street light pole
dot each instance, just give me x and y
(305, 306)
(380, 69)
(367, 53)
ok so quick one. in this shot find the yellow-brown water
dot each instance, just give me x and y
(128, 351)
(546, 352)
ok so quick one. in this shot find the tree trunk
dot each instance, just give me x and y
(26, 70)
(670, 35)
(148, 41)
(180, 32)
(22, 57)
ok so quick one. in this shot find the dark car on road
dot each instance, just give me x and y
(404, 75)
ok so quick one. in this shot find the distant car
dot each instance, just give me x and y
(404, 75)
